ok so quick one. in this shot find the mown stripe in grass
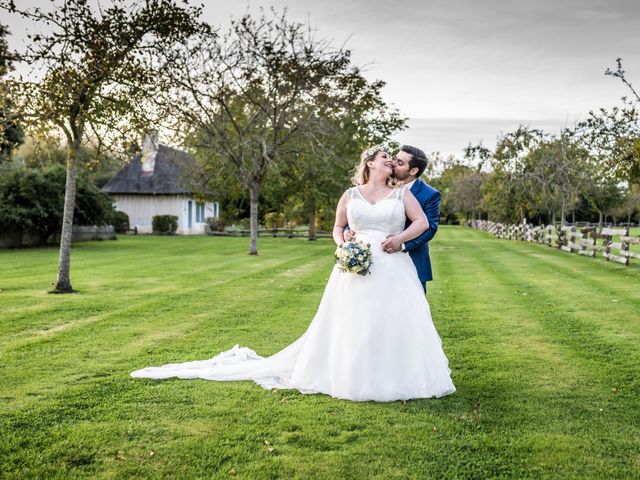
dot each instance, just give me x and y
(491, 427)
(147, 332)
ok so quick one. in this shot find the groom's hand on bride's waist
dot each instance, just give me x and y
(349, 235)
(391, 244)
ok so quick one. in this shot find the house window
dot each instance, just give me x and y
(199, 212)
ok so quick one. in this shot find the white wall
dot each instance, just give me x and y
(142, 208)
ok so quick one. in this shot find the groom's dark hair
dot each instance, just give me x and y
(418, 158)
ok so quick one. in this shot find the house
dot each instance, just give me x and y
(161, 181)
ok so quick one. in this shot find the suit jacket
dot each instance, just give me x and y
(418, 248)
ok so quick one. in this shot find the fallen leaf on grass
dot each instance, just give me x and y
(119, 455)
(232, 472)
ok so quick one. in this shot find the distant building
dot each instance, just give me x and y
(161, 181)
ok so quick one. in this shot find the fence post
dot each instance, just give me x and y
(622, 246)
(586, 244)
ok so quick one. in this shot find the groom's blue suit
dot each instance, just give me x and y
(418, 248)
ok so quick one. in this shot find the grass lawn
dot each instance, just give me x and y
(543, 346)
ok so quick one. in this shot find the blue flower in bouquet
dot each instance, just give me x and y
(354, 257)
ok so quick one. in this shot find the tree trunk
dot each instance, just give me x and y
(254, 196)
(599, 220)
(63, 284)
(312, 222)
(563, 213)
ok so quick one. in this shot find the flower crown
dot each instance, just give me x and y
(371, 151)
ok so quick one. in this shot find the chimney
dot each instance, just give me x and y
(149, 152)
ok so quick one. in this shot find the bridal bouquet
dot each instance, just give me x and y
(354, 257)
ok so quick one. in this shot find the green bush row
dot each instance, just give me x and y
(32, 199)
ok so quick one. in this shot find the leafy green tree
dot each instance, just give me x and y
(11, 133)
(99, 165)
(453, 170)
(499, 199)
(255, 96)
(557, 174)
(508, 193)
(32, 199)
(603, 193)
(98, 69)
(613, 135)
(317, 168)
(465, 197)
(533, 175)
(631, 203)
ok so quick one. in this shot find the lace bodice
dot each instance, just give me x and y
(386, 216)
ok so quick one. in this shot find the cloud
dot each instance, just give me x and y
(477, 62)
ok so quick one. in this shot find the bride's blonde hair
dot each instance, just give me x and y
(361, 171)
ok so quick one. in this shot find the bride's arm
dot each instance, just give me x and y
(414, 212)
(419, 224)
(341, 220)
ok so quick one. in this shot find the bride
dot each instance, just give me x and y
(372, 337)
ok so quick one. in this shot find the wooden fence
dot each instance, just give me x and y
(613, 244)
(270, 232)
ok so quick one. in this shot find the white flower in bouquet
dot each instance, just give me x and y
(354, 257)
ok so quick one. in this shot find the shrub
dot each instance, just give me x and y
(120, 221)
(32, 199)
(164, 224)
(290, 227)
(215, 224)
(274, 220)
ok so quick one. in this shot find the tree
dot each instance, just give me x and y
(557, 173)
(100, 165)
(534, 173)
(11, 133)
(32, 199)
(452, 170)
(511, 162)
(602, 193)
(631, 203)
(466, 194)
(250, 98)
(317, 167)
(613, 135)
(621, 74)
(98, 70)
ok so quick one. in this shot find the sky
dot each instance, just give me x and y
(465, 71)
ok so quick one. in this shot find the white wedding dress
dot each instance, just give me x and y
(372, 337)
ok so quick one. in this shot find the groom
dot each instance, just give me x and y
(409, 163)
